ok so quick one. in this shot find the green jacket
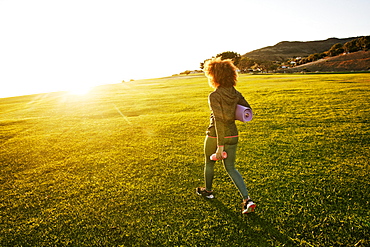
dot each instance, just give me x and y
(222, 103)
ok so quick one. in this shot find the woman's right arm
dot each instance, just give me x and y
(242, 101)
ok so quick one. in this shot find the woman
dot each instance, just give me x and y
(222, 134)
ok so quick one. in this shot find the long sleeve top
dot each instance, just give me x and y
(222, 103)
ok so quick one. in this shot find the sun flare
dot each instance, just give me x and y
(80, 90)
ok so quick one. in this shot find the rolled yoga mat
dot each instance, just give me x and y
(243, 113)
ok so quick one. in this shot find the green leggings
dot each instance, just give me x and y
(210, 146)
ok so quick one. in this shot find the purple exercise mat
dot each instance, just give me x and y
(243, 113)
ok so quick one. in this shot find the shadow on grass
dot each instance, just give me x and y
(260, 232)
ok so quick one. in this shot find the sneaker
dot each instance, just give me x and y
(248, 207)
(203, 192)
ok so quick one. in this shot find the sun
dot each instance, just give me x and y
(80, 90)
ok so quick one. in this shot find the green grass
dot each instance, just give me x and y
(118, 167)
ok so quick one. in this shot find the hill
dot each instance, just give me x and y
(357, 61)
(289, 49)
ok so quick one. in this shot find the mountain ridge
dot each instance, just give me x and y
(285, 50)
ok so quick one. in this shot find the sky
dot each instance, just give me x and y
(61, 45)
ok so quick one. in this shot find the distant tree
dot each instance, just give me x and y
(225, 55)
(312, 57)
(336, 49)
(230, 55)
(351, 46)
(364, 43)
(303, 61)
(245, 63)
(266, 66)
(186, 72)
(323, 54)
(271, 66)
(202, 64)
(315, 57)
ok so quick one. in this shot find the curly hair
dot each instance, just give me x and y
(220, 72)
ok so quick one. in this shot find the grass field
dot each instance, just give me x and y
(119, 166)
